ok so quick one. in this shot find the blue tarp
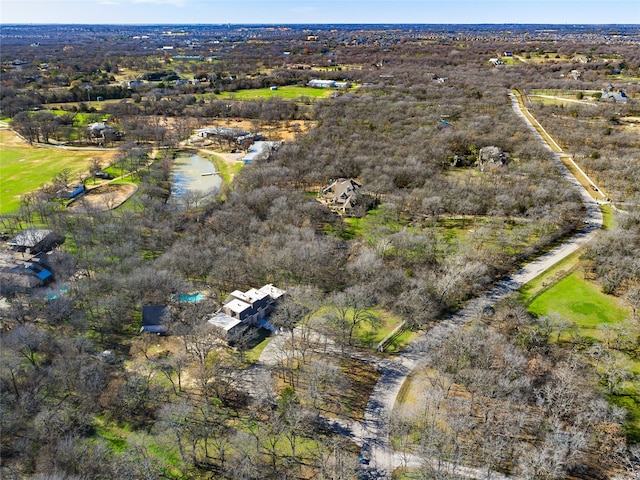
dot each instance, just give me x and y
(43, 275)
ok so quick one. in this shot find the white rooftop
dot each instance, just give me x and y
(273, 292)
(238, 295)
(237, 306)
(224, 321)
(254, 295)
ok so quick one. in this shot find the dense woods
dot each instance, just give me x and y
(85, 395)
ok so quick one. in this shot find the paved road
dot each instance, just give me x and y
(372, 434)
(383, 398)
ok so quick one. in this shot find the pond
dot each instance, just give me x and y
(194, 174)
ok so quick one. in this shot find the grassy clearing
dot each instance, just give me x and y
(225, 169)
(287, 92)
(118, 439)
(549, 277)
(253, 355)
(401, 341)
(595, 315)
(366, 334)
(23, 168)
(580, 301)
(81, 119)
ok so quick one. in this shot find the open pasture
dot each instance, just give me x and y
(23, 168)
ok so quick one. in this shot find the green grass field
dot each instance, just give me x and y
(582, 303)
(548, 277)
(287, 92)
(225, 170)
(579, 301)
(81, 119)
(24, 168)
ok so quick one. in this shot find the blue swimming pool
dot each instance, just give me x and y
(189, 297)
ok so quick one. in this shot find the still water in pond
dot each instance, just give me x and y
(194, 174)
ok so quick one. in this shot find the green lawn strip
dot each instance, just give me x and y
(401, 341)
(81, 119)
(557, 101)
(253, 355)
(117, 438)
(631, 404)
(579, 301)
(549, 277)
(23, 169)
(608, 217)
(287, 92)
(224, 169)
(367, 334)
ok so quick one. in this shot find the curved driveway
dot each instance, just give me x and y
(375, 428)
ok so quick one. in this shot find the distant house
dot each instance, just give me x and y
(231, 134)
(322, 83)
(261, 150)
(496, 61)
(133, 84)
(96, 129)
(609, 94)
(102, 132)
(341, 194)
(492, 157)
(34, 241)
(156, 319)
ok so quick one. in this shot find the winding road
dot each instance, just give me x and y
(372, 434)
(383, 398)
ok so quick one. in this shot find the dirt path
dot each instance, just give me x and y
(103, 198)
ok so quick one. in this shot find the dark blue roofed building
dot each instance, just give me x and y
(156, 319)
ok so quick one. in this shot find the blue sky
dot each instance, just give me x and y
(316, 11)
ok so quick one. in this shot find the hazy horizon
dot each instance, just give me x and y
(348, 12)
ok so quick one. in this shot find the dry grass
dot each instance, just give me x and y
(103, 198)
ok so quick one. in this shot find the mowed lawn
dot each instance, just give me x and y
(23, 168)
(288, 92)
(579, 301)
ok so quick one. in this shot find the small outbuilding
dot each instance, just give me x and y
(260, 151)
(156, 319)
(34, 241)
